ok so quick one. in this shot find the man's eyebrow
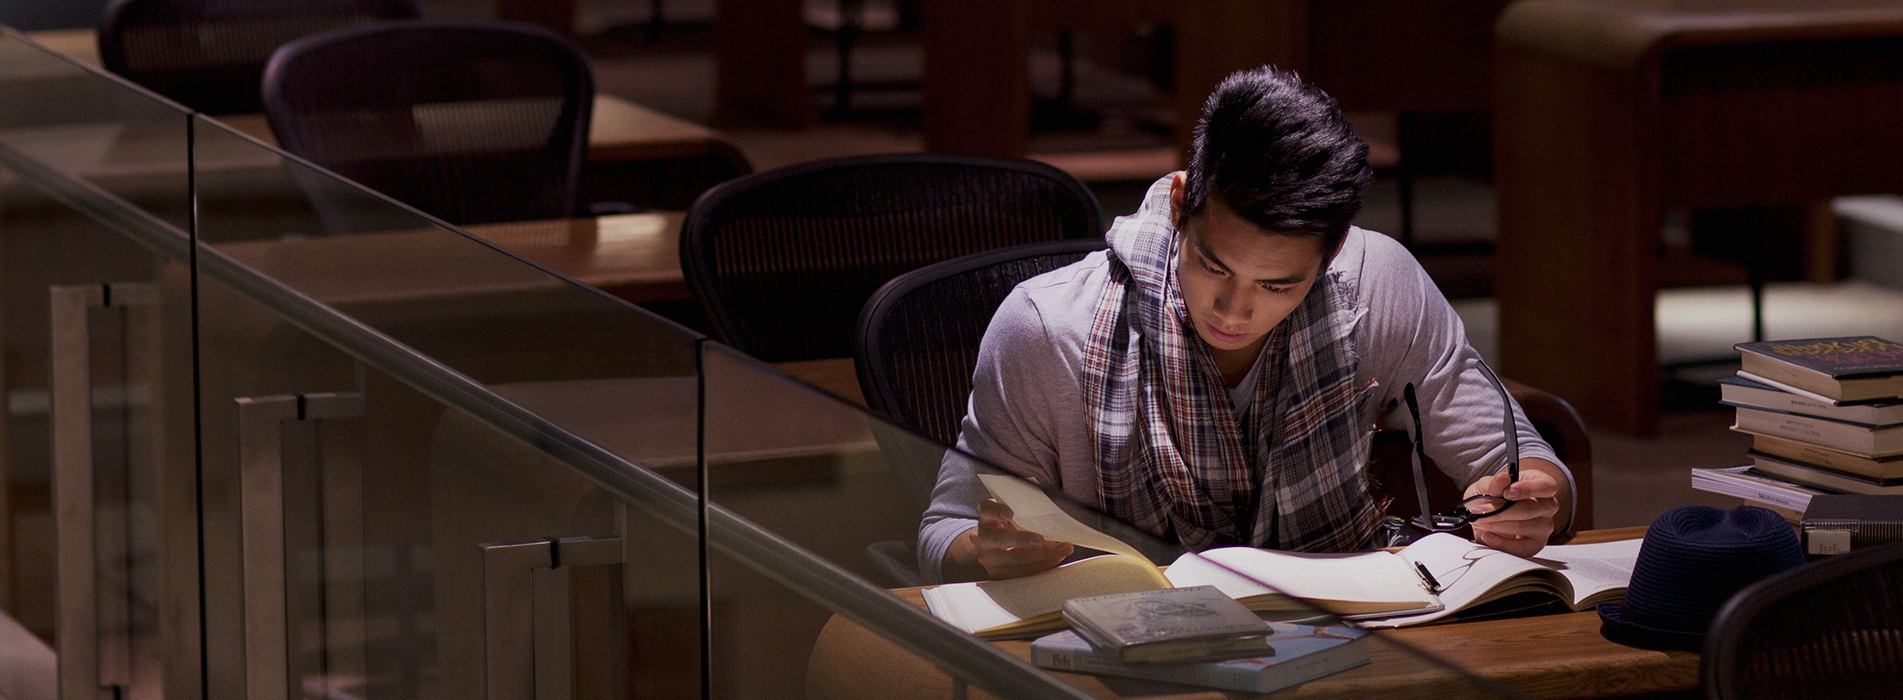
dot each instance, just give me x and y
(1197, 243)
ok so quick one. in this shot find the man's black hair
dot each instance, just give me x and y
(1279, 153)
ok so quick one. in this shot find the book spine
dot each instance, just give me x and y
(1816, 431)
(1786, 402)
(1821, 477)
(1776, 401)
(1749, 489)
(1829, 459)
(1211, 675)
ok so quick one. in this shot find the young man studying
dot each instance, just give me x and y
(1215, 377)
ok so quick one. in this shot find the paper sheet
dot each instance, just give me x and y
(1034, 511)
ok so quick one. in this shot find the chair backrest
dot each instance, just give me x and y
(918, 336)
(1831, 628)
(918, 339)
(209, 54)
(1391, 470)
(784, 260)
(472, 122)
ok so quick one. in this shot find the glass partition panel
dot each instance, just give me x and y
(467, 300)
(118, 138)
(94, 348)
(477, 405)
(848, 491)
(851, 491)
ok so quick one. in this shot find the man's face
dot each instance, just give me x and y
(1238, 280)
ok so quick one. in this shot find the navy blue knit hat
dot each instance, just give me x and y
(1693, 559)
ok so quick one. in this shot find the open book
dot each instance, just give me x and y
(1383, 588)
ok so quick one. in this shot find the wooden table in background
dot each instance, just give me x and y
(635, 154)
(1544, 656)
(1611, 112)
(634, 256)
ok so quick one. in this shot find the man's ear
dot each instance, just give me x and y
(1179, 182)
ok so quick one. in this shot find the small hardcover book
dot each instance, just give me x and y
(1806, 453)
(1302, 653)
(1738, 391)
(1838, 524)
(1197, 623)
(1814, 475)
(1875, 441)
(1757, 487)
(1860, 368)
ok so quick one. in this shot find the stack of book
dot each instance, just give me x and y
(1197, 636)
(1298, 653)
(1825, 415)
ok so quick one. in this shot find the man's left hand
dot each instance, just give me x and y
(1523, 528)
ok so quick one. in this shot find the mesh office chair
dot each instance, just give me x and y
(209, 55)
(1832, 628)
(916, 345)
(784, 260)
(918, 336)
(1391, 473)
(471, 122)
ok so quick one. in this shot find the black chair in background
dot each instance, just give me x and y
(471, 122)
(918, 336)
(784, 260)
(1832, 628)
(209, 55)
(916, 346)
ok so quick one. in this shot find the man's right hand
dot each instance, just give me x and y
(1003, 550)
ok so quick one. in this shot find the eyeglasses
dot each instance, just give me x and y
(1476, 507)
(1464, 514)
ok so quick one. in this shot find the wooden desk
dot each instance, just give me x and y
(1548, 656)
(634, 256)
(1386, 55)
(635, 154)
(1612, 112)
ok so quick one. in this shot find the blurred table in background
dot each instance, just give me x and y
(634, 256)
(1609, 113)
(635, 154)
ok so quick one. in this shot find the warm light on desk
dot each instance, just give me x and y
(630, 228)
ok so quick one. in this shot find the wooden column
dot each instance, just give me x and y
(977, 77)
(760, 64)
(1579, 216)
(1219, 37)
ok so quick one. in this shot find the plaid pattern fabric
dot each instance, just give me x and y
(1172, 455)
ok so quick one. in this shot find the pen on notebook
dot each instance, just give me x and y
(1427, 577)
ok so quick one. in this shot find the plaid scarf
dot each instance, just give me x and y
(1172, 454)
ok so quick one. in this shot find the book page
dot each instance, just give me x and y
(1592, 568)
(1470, 572)
(1368, 577)
(984, 605)
(1467, 572)
(1034, 511)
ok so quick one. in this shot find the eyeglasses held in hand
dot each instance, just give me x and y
(1473, 508)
